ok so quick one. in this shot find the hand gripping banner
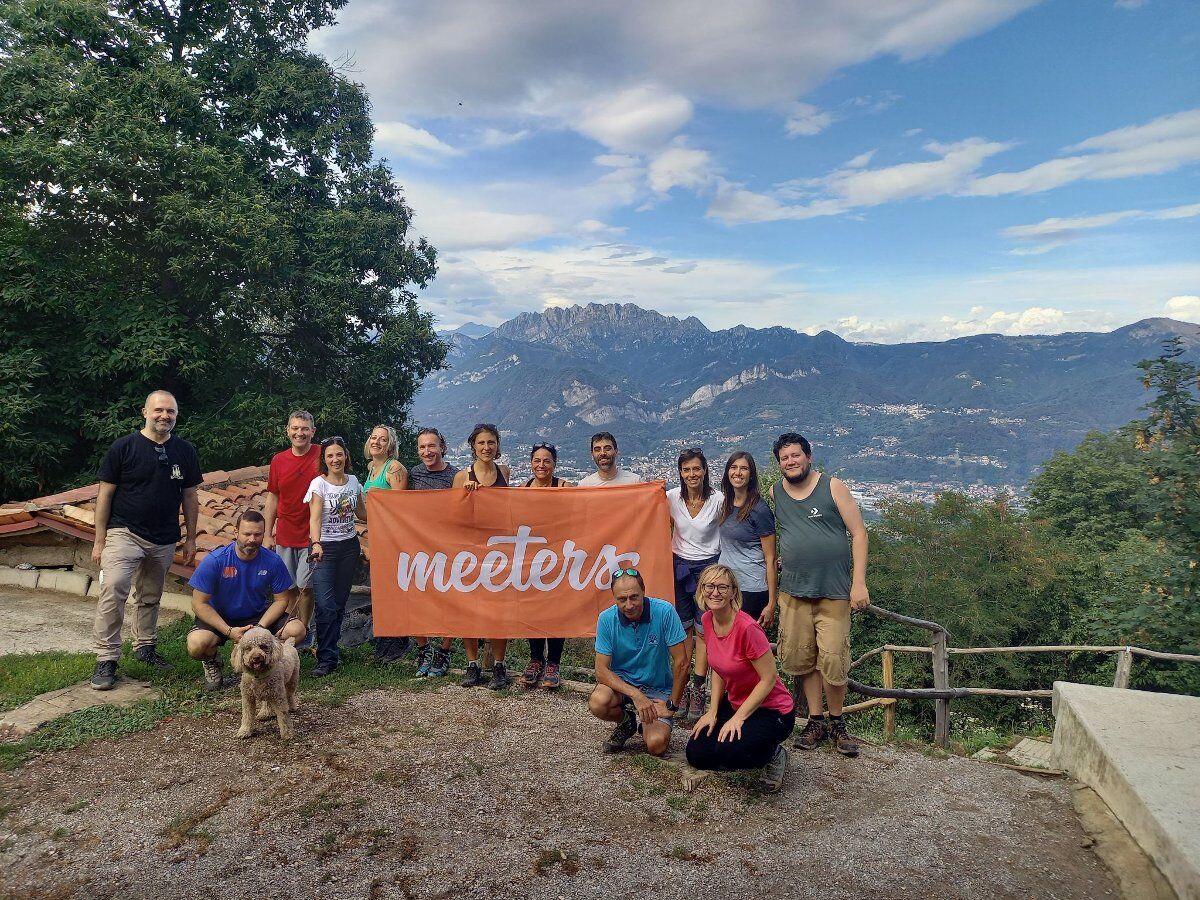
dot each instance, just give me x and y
(511, 563)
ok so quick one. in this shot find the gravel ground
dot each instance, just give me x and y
(450, 793)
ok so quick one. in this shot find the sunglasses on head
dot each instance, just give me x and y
(549, 447)
(162, 453)
(632, 573)
(329, 441)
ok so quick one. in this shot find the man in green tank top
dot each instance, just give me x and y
(823, 553)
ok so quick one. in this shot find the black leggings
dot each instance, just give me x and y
(537, 649)
(765, 730)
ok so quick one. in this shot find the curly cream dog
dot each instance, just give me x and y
(270, 671)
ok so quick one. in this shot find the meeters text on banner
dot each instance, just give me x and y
(511, 563)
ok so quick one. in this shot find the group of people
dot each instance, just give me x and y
(738, 566)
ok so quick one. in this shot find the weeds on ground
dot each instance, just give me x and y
(566, 860)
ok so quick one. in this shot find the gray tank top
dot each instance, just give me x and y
(814, 545)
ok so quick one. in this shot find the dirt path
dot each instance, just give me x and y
(34, 621)
(464, 794)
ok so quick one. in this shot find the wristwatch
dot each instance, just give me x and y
(672, 707)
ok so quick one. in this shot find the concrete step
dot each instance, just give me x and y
(1140, 752)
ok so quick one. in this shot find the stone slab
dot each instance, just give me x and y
(49, 706)
(26, 578)
(65, 581)
(1034, 753)
(1140, 752)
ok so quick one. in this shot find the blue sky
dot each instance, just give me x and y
(889, 169)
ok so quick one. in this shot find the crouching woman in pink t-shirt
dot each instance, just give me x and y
(750, 713)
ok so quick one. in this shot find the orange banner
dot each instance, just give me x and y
(511, 563)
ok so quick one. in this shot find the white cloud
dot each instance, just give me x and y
(399, 139)
(1159, 146)
(1054, 232)
(497, 137)
(1131, 4)
(639, 119)
(861, 161)
(680, 166)
(806, 120)
(1185, 307)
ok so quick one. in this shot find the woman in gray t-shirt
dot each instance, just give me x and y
(748, 537)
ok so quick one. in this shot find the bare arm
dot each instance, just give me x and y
(270, 508)
(397, 476)
(610, 679)
(203, 610)
(769, 555)
(860, 598)
(316, 507)
(679, 671)
(764, 666)
(103, 510)
(191, 514)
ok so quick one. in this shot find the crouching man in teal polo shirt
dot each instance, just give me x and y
(641, 665)
(234, 589)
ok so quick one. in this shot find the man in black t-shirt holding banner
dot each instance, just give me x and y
(144, 479)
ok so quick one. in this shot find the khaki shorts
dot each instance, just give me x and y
(814, 634)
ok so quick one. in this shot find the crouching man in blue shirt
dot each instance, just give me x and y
(641, 666)
(234, 589)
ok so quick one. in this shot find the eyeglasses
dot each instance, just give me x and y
(717, 588)
(632, 573)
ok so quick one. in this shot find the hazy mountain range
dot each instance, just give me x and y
(985, 409)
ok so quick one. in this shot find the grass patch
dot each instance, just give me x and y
(547, 859)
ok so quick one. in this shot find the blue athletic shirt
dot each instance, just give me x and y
(640, 650)
(241, 589)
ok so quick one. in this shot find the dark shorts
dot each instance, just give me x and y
(276, 629)
(754, 602)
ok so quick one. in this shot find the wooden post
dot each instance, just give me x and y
(889, 711)
(941, 679)
(1124, 665)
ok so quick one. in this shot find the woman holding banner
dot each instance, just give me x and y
(484, 471)
(385, 472)
(751, 713)
(545, 654)
(335, 501)
(748, 538)
(695, 543)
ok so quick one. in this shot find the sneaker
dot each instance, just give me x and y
(474, 676)
(697, 703)
(772, 773)
(625, 729)
(214, 678)
(813, 734)
(151, 657)
(105, 675)
(533, 673)
(441, 664)
(424, 660)
(323, 669)
(684, 702)
(551, 680)
(842, 742)
(500, 679)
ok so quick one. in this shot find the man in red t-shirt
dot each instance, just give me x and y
(292, 471)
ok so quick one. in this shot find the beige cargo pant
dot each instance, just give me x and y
(127, 562)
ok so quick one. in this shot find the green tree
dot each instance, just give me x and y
(189, 200)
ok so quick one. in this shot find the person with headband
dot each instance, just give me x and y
(484, 471)
(545, 654)
(750, 712)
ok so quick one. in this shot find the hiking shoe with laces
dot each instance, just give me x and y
(424, 660)
(697, 703)
(474, 676)
(500, 679)
(843, 743)
(441, 664)
(151, 657)
(551, 680)
(323, 669)
(105, 675)
(813, 734)
(685, 702)
(533, 673)
(625, 729)
(214, 676)
(772, 773)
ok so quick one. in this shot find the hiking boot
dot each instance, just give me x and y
(697, 703)
(813, 735)
(151, 657)
(323, 669)
(685, 702)
(500, 679)
(625, 729)
(105, 675)
(474, 676)
(533, 673)
(441, 664)
(424, 660)
(214, 676)
(840, 737)
(551, 680)
(772, 773)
